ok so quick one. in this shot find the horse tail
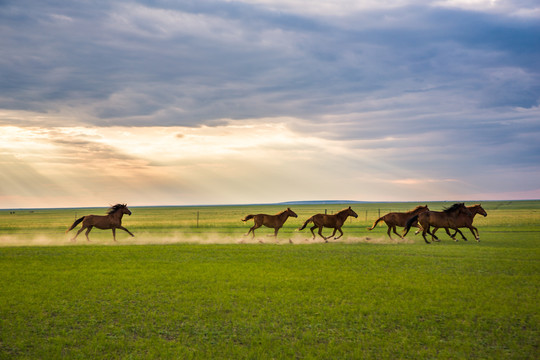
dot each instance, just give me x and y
(75, 224)
(409, 223)
(375, 224)
(307, 222)
(248, 217)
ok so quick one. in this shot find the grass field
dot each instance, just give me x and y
(182, 290)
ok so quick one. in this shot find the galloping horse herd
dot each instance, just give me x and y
(455, 217)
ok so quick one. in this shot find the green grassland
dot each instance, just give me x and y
(182, 290)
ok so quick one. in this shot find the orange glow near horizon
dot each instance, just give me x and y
(239, 162)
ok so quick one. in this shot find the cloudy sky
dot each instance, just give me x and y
(255, 101)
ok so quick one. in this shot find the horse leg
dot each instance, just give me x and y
(313, 228)
(432, 233)
(252, 230)
(320, 233)
(78, 232)
(88, 232)
(477, 235)
(433, 236)
(114, 233)
(339, 229)
(448, 232)
(395, 232)
(333, 233)
(126, 230)
(424, 236)
(388, 232)
(463, 236)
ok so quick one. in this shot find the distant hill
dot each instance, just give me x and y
(321, 202)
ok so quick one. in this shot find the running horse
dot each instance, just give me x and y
(394, 219)
(466, 221)
(113, 220)
(271, 221)
(335, 221)
(438, 219)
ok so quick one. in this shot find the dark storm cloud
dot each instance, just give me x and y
(398, 71)
(194, 62)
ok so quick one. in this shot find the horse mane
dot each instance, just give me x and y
(342, 210)
(115, 208)
(454, 207)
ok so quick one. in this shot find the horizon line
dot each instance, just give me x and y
(299, 202)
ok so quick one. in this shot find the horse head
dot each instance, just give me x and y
(119, 207)
(125, 210)
(480, 210)
(419, 209)
(291, 213)
(351, 212)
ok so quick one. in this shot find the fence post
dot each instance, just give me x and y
(197, 218)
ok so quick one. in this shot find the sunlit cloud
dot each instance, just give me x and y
(168, 165)
(421, 181)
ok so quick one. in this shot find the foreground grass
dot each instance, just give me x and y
(260, 301)
(363, 297)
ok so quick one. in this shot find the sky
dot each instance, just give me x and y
(199, 102)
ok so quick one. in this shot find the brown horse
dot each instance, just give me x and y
(394, 219)
(330, 221)
(271, 221)
(113, 220)
(441, 219)
(466, 221)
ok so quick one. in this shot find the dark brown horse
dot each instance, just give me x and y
(271, 221)
(465, 220)
(442, 219)
(394, 219)
(335, 221)
(113, 220)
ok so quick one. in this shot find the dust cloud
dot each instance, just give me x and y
(179, 237)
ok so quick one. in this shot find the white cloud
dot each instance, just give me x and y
(525, 9)
(340, 8)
